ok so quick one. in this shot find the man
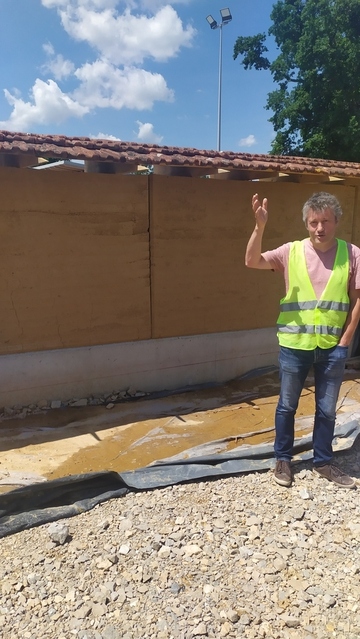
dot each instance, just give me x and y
(318, 318)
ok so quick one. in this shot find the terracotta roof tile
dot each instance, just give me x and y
(62, 147)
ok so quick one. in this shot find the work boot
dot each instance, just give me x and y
(335, 474)
(282, 473)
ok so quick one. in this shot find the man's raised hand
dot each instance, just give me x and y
(260, 210)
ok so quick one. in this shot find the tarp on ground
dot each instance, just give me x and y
(38, 504)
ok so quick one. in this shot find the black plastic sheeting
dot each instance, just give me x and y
(38, 504)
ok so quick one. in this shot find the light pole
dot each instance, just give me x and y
(226, 17)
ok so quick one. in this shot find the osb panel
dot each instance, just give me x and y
(74, 260)
(198, 234)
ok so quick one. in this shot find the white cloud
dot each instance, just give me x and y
(90, 4)
(146, 133)
(57, 65)
(125, 38)
(105, 136)
(49, 105)
(101, 86)
(104, 85)
(49, 49)
(249, 141)
(152, 5)
(124, 33)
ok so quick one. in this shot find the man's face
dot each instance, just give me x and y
(322, 226)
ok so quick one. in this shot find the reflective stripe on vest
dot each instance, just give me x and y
(321, 330)
(305, 322)
(308, 306)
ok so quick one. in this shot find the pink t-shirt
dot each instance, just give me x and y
(319, 264)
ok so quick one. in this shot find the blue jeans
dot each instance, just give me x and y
(295, 364)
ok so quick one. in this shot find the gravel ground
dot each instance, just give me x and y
(235, 557)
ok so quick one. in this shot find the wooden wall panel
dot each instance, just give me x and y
(74, 259)
(76, 252)
(198, 233)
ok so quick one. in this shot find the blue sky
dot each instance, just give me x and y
(135, 70)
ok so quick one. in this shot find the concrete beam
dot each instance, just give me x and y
(147, 365)
(109, 167)
(17, 160)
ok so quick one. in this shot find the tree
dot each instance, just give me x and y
(316, 107)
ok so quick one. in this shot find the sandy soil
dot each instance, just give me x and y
(133, 434)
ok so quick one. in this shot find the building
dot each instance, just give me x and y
(123, 264)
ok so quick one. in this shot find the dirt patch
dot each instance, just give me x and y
(133, 434)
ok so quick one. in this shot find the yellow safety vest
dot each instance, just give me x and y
(305, 322)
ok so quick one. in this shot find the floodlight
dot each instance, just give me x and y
(225, 15)
(212, 22)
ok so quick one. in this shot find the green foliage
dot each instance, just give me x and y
(316, 107)
(252, 49)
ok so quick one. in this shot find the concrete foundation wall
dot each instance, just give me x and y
(148, 365)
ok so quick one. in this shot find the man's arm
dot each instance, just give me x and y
(352, 319)
(253, 257)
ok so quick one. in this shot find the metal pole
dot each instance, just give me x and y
(219, 90)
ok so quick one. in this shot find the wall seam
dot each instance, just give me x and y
(150, 189)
